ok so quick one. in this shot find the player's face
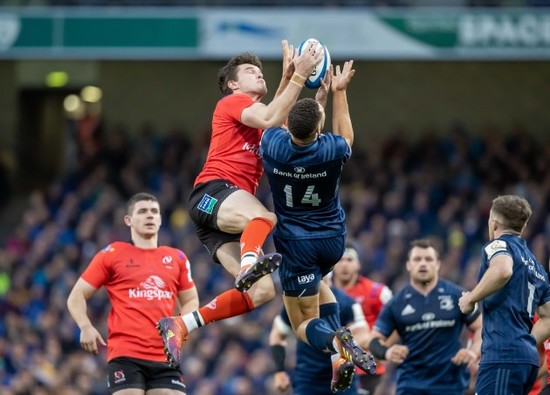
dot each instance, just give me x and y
(346, 269)
(250, 80)
(145, 218)
(423, 264)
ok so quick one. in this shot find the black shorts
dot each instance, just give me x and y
(204, 203)
(126, 372)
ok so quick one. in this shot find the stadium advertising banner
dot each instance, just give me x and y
(218, 33)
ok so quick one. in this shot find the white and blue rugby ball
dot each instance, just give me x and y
(313, 81)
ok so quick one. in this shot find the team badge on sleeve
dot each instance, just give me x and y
(109, 248)
(494, 247)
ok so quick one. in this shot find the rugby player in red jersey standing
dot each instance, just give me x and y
(144, 282)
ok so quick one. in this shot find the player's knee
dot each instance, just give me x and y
(272, 217)
(268, 215)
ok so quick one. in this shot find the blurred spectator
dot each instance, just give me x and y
(393, 191)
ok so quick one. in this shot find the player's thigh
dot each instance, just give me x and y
(164, 391)
(238, 209)
(306, 261)
(505, 379)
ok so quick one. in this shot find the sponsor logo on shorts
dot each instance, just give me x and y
(119, 377)
(306, 279)
(177, 382)
(207, 204)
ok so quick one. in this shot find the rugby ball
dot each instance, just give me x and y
(313, 81)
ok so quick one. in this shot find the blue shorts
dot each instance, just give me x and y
(306, 262)
(506, 378)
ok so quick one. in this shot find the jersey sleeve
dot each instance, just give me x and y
(385, 323)
(496, 247)
(343, 149)
(234, 105)
(186, 279)
(97, 272)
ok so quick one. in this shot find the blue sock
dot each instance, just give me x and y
(330, 312)
(319, 335)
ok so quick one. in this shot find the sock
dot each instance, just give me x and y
(229, 304)
(330, 312)
(253, 239)
(192, 321)
(319, 335)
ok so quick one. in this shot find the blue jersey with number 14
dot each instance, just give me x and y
(304, 183)
(508, 313)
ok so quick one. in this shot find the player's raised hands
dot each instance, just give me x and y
(342, 76)
(288, 55)
(322, 93)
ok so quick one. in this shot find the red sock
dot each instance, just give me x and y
(229, 304)
(254, 235)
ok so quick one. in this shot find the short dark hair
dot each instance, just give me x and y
(229, 71)
(425, 242)
(304, 118)
(513, 212)
(138, 197)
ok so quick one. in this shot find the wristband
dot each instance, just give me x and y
(278, 354)
(378, 349)
(298, 79)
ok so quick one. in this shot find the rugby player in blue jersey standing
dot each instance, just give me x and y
(304, 168)
(512, 285)
(425, 314)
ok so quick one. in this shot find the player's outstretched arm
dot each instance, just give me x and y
(274, 114)
(76, 303)
(341, 120)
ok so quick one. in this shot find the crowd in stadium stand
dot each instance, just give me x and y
(393, 190)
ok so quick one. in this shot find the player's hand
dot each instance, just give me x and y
(288, 55)
(465, 356)
(322, 93)
(281, 381)
(397, 353)
(343, 76)
(306, 61)
(465, 303)
(89, 337)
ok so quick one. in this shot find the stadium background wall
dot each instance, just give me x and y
(385, 95)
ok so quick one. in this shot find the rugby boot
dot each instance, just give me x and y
(350, 350)
(250, 274)
(342, 374)
(174, 334)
